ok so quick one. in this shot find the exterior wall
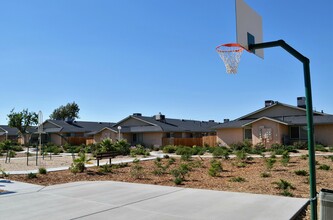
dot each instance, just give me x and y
(278, 110)
(324, 134)
(152, 139)
(277, 132)
(229, 136)
(56, 139)
(106, 133)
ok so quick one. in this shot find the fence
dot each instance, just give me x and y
(209, 140)
(76, 140)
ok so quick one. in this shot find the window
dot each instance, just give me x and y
(247, 133)
(298, 132)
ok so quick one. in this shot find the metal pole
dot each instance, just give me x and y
(309, 115)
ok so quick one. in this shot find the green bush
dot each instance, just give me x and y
(139, 150)
(270, 163)
(215, 168)
(107, 168)
(241, 155)
(245, 146)
(301, 172)
(324, 167)
(286, 193)
(42, 170)
(221, 152)
(184, 150)
(320, 147)
(237, 179)
(285, 158)
(171, 160)
(178, 180)
(304, 156)
(78, 165)
(169, 149)
(302, 145)
(180, 172)
(137, 171)
(265, 175)
(32, 175)
(284, 185)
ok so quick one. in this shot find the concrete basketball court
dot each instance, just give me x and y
(118, 200)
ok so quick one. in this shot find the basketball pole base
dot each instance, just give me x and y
(309, 114)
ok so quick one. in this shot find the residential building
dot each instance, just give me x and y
(276, 123)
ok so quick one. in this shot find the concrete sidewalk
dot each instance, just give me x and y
(118, 200)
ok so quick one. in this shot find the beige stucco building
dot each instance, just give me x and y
(276, 123)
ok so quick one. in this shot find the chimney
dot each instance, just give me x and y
(211, 121)
(226, 120)
(69, 120)
(269, 103)
(137, 114)
(301, 102)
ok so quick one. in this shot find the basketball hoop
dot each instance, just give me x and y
(230, 54)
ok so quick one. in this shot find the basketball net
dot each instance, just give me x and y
(230, 54)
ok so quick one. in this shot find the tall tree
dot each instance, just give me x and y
(71, 110)
(22, 121)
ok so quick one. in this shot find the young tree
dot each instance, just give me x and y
(22, 121)
(71, 110)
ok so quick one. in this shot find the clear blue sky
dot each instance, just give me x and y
(117, 57)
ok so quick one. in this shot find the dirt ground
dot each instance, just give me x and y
(236, 177)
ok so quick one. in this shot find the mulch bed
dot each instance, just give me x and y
(198, 176)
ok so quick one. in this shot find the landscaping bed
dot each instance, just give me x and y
(249, 177)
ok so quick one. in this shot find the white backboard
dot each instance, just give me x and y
(248, 27)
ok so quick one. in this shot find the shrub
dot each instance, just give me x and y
(139, 150)
(78, 165)
(42, 170)
(301, 145)
(107, 168)
(182, 150)
(240, 164)
(171, 160)
(241, 155)
(301, 172)
(31, 175)
(221, 152)
(237, 179)
(178, 180)
(304, 156)
(166, 156)
(119, 165)
(284, 185)
(286, 193)
(246, 146)
(169, 149)
(320, 147)
(285, 158)
(265, 175)
(186, 157)
(215, 168)
(136, 170)
(270, 163)
(122, 147)
(180, 172)
(324, 167)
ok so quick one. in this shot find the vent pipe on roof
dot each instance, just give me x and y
(301, 102)
(269, 103)
(226, 120)
(69, 120)
(211, 121)
(137, 114)
(160, 117)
